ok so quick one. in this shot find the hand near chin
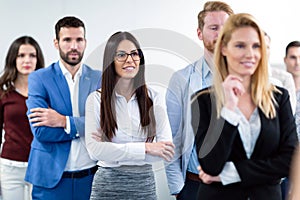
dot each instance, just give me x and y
(233, 88)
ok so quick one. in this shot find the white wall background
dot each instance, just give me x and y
(165, 28)
(104, 17)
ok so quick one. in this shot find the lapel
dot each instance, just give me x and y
(259, 142)
(63, 88)
(259, 145)
(84, 88)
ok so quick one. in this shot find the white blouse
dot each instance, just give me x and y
(249, 133)
(128, 145)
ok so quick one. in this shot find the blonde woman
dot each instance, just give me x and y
(245, 129)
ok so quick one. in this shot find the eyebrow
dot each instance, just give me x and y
(126, 51)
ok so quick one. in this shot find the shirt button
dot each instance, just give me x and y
(77, 135)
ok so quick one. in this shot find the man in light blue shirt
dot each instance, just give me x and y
(182, 173)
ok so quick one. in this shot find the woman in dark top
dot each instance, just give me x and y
(245, 129)
(23, 57)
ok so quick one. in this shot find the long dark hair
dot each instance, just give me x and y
(109, 80)
(10, 71)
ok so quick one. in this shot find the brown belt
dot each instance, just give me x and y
(192, 176)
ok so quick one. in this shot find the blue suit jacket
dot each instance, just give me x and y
(51, 146)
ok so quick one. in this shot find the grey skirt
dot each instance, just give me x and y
(125, 182)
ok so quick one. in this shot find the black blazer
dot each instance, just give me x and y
(218, 142)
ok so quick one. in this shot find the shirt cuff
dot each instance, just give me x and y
(229, 174)
(230, 116)
(68, 128)
(137, 150)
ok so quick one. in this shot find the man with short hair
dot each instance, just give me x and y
(182, 173)
(292, 62)
(59, 166)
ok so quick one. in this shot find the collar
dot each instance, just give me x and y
(120, 96)
(65, 72)
(205, 68)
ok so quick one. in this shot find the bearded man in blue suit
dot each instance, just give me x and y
(59, 166)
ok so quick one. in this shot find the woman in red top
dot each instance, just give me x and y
(23, 57)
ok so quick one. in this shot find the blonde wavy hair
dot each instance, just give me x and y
(261, 90)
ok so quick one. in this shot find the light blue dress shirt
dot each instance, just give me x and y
(206, 82)
(183, 84)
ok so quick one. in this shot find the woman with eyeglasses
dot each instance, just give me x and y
(123, 119)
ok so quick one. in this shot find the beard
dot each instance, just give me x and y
(71, 61)
(210, 45)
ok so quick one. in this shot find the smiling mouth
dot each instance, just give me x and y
(248, 64)
(129, 68)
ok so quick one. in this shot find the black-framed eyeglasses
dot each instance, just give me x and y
(122, 56)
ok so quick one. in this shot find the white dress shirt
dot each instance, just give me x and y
(128, 145)
(249, 131)
(78, 157)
